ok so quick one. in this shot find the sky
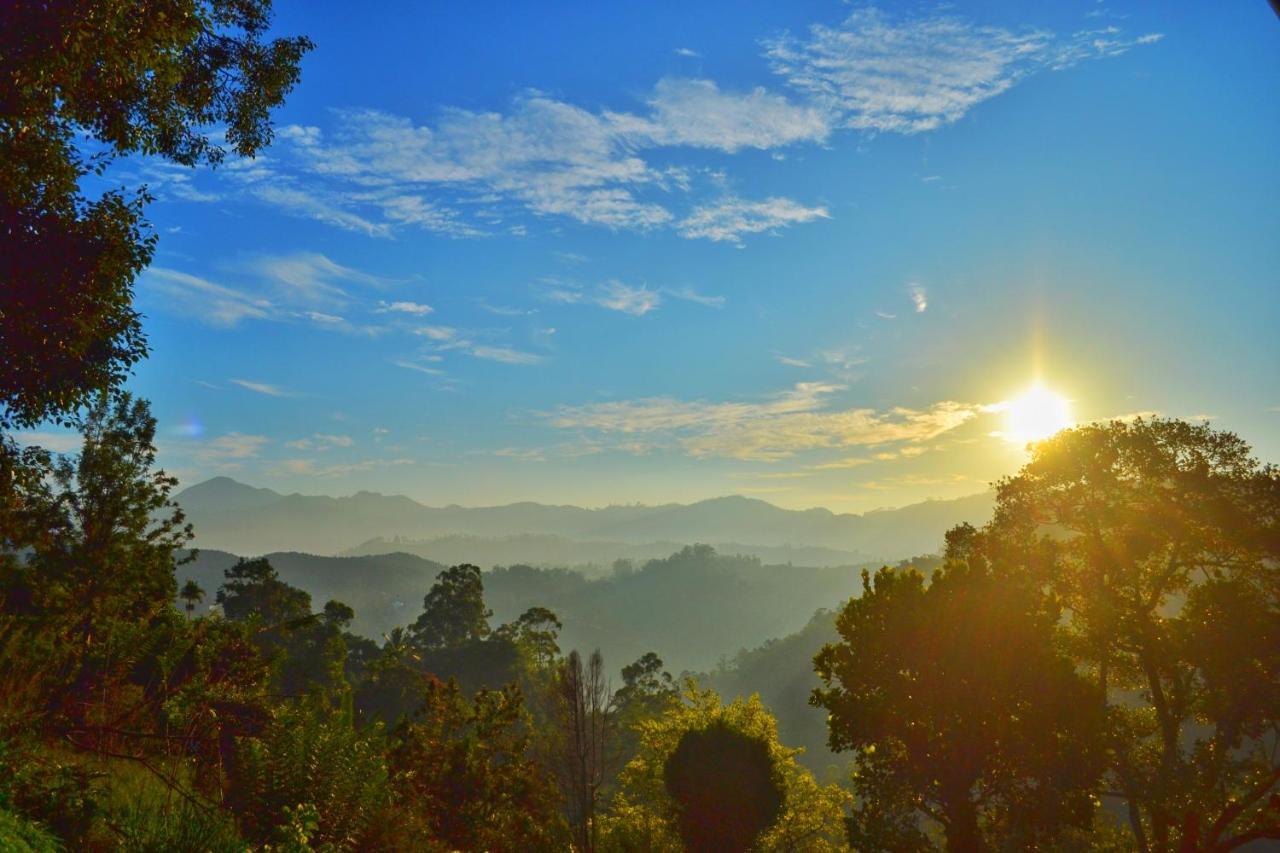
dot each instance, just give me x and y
(806, 251)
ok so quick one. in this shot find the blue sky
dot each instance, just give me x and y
(663, 252)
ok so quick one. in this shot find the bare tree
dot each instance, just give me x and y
(587, 750)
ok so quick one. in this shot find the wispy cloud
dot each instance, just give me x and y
(313, 468)
(697, 113)
(919, 297)
(731, 218)
(419, 368)
(686, 51)
(418, 309)
(617, 296)
(226, 452)
(878, 72)
(204, 300)
(791, 362)
(688, 294)
(308, 204)
(320, 441)
(797, 420)
(57, 442)
(506, 355)
(263, 388)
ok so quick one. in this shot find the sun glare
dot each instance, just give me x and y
(1036, 415)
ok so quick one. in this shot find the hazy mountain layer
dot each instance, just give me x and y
(692, 608)
(232, 516)
(544, 550)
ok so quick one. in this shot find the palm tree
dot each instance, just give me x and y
(192, 594)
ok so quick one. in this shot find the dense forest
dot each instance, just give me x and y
(1095, 668)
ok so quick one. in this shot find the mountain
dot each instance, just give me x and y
(538, 549)
(232, 516)
(693, 607)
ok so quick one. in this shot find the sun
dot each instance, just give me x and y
(1036, 415)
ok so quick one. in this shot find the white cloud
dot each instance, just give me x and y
(730, 218)
(308, 205)
(420, 368)
(876, 72)
(320, 441)
(791, 362)
(686, 51)
(263, 388)
(416, 308)
(228, 448)
(56, 442)
(203, 300)
(688, 294)
(437, 333)
(919, 298)
(791, 422)
(506, 355)
(617, 296)
(698, 114)
(311, 468)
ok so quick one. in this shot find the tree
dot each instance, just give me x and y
(102, 539)
(307, 649)
(535, 632)
(644, 816)
(1162, 539)
(726, 788)
(959, 707)
(191, 593)
(129, 78)
(453, 611)
(586, 724)
(461, 775)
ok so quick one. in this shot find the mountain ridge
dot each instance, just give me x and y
(233, 516)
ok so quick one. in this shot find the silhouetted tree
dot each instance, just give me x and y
(149, 78)
(726, 788)
(1162, 539)
(453, 611)
(306, 648)
(643, 814)
(192, 594)
(959, 707)
(535, 632)
(585, 718)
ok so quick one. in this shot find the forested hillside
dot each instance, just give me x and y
(693, 607)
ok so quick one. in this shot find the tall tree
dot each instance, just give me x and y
(453, 611)
(959, 707)
(82, 82)
(586, 718)
(191, 594)
(1162, 539)
(103, 538)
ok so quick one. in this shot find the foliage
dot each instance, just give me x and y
(959, 706)
(309, 755)
(307, 649)
(83, 81)
(19, 835)
(1162, 539)
(461, 775)
(644, 817)
(453, 611)
(725, 787)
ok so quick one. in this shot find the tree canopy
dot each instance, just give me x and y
(83, 82)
